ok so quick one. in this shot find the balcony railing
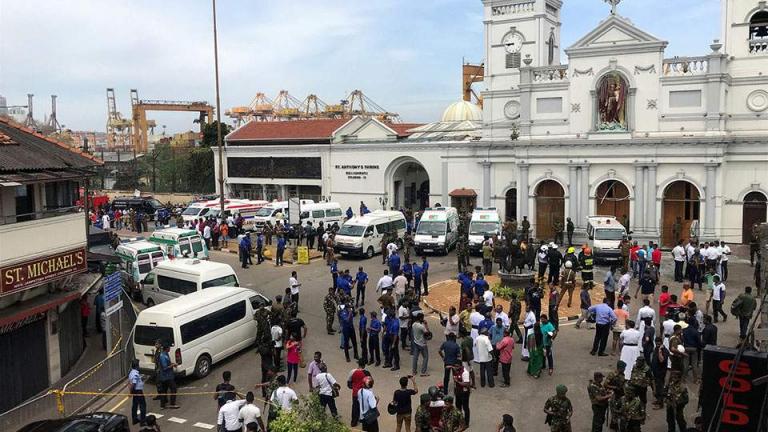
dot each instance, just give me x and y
(513, 8)
(686, 66)
(47, 213)
(550, 73)
(758, 46)
(41, 237)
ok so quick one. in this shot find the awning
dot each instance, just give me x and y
(463, 193)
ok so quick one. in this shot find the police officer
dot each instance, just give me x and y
(559, 410)
(599, 396)
(329, 306)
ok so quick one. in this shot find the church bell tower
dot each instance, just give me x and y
(745, 34)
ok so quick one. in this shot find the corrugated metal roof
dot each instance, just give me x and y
(25, 150)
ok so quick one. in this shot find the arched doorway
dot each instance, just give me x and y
(612, 198)
(510, 204)
(754, 212)
(410, 186)
(681, 204)
(550, 206)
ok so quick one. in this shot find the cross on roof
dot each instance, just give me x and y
(614, 4)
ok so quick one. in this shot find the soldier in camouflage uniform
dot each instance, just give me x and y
(599, 396)
(329, 306)
(263, 328)
(422, 417)
(676, 399)
(641, 379)
(632, 410)
(525, 227)
(451, 420)
(407, 245)
(615, 382)
(559, 410)
(384, 242)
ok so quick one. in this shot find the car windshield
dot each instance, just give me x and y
(229, 280)
(431, 228)
(147, 335)
(609, 234)
(191, 211)
(155, 203)
(264, 211)
(476, 228)
(352, 230)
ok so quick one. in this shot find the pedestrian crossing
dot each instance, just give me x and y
(178, 420)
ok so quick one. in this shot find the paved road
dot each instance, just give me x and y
(524, 399)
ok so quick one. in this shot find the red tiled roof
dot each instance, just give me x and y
(318, 129)
(463, 193)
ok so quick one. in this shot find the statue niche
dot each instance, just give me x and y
(612, 103)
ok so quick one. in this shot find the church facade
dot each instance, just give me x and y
(667, 143)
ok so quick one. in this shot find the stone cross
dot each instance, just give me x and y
(613, 4)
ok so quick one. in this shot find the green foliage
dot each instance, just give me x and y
(506, 292)
(210, 135)
(307, 416)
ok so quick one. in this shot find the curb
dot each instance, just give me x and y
(287, 260)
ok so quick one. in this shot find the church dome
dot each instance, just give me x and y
(462, 111)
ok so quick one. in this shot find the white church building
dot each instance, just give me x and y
(619, 130)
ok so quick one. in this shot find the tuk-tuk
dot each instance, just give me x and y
(180, 243)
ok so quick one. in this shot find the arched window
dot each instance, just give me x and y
(758, 33)
(551, 48)
(612, 92)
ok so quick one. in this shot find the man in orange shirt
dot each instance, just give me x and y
(687, 295)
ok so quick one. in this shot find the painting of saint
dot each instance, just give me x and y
(612, 98)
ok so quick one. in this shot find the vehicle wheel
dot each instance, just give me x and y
(369, 252)
(150, 302)
(203, 366)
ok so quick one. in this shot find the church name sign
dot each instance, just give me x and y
(357, 172)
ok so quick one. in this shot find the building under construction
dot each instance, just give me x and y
(284, 107)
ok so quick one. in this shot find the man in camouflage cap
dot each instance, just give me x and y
(676, 399)
(599, 396)
(632, 411)
(615, 382)
(559, 410)
(641, 379)
(451, 419)
(329, 306)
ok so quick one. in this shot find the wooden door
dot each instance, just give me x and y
(612, 198)
(510, 204)
(550, 206)
(754, 212)
(681, 200)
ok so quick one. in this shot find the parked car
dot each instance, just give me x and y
(93, 422)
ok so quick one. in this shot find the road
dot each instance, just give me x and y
(524, 399)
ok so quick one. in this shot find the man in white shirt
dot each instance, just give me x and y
(624, 283)
(679, 255)
(391, 248)
(528, 323)
(645, 312)
(484, 358)
(293, 282)
(250, 413)
(500, 314)
(229, 414)
(105, 222)
(276, 331)
(725, 250)
(283, 396)
(401, 283)
(713, 257)
(718, 297)
(402, 319)
(324, 383)
(488, 298)
(384, 282)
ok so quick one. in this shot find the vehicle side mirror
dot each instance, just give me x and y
(591, 237)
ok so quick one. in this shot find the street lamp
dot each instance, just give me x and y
(218, 112)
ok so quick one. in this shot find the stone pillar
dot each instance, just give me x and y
(523, 192)
(263, 191)
(583, 197)
(711, 191)
(573, 192)
(486, 184)
(638, 224)
(444, 177)
(284, 192)
(650, 200)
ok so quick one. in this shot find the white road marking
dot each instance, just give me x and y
(177, 420)
(204, 425)
(156, 415)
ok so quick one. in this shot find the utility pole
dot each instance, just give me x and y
(218, 113)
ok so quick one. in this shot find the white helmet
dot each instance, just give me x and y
(568, 264)
(553, 245)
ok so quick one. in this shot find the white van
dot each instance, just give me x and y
(138, 258)
(326, 212)
(202, 328)
(176, 278)
(605, 234)
(269, 212)
(437, 230)
(361, 235)
(180, 242)
(212, 208)
(484, 222)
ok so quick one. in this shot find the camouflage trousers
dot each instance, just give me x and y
(329, 322)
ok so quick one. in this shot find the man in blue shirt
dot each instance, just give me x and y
(496, 333)
(136, 385)
(349, 212)
(245, 250)
(394, 263)
(361, 328)
(280, 250)
(604, 320)
(467, 285)
(486, 323)
(335, 272)
(374, 328)
(342, 284)
(346, 320)
(167, 378)
(425, 275)
(480, 285)
(260, 248)
(361, 280)
(417, 272)
(391, 339)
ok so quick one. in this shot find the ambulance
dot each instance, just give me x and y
(437, 231)
(180, 243)
(212, 208)
(484, 222)
(605, 234)
(138, 258)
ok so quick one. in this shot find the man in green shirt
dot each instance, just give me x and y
(743, 307)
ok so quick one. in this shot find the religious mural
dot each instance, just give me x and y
(612, 101)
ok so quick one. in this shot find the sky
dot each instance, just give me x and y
(405, 55)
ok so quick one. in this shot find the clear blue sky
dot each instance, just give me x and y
(404, 54)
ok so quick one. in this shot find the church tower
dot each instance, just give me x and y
(745, 35)
(516, 32)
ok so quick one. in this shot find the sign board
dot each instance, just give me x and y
(114, 308)
(113, 287)
(39, 271)
(738, 409)
(303, 255)
(294, 211)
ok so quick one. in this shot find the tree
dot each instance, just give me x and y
(307, 416)
(210, 136)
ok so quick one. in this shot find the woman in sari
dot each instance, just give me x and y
(535, 351)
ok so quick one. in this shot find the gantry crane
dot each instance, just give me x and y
(287, 106)
(53, 123)
(141, 124)
(358, 103)
(29, 121)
